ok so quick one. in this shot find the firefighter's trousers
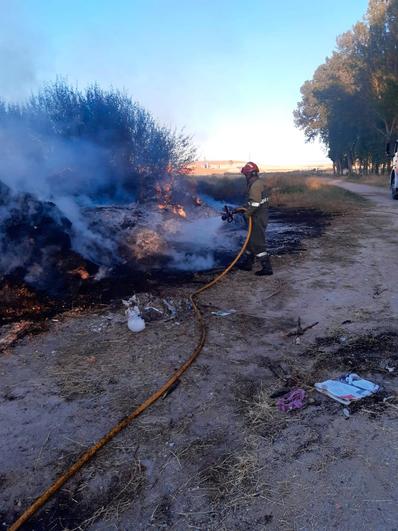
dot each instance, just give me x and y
(257, 246)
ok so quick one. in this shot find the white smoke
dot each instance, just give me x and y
(23, 53)
(206, 239)
(67, 173)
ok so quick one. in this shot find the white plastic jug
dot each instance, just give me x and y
(134, 320)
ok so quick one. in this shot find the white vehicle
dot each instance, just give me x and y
(394, 173)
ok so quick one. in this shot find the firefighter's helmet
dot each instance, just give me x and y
(250, 168)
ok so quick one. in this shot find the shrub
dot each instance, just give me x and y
(106, 143)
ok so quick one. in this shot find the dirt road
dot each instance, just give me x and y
(217, 454)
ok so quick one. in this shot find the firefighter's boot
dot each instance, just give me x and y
(266, 267)
(247, 263)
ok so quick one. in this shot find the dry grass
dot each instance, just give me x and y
(121, 493)
(374, 180)
(259, 411)
(10, 334)
(234, 479)
(294, 191)
(199, 447)
(287, 190)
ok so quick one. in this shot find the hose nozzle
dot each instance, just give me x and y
(228, 214)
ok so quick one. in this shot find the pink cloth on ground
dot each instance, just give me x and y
(292, 400)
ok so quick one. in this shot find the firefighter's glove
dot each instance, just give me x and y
(249, 212)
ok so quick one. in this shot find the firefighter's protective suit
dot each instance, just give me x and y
(257, 208)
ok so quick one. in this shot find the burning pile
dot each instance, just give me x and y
(36, 255)
(92, 187)
(146, 243)
(35, 241)
(39, 257)
(165, 195)
(155, 234)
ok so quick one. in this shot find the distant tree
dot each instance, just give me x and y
(351, 103)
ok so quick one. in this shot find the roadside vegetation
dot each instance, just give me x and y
(286, 190)
(311, 192)
(372, 179)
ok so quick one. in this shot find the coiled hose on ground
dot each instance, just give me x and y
(89, 454)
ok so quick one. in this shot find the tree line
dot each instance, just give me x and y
(351, 103)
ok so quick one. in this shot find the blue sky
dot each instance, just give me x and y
(228, 71)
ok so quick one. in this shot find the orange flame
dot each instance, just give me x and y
(80, 272)
(164, 192)
(179, 210)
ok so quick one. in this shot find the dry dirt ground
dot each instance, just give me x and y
(216, 453)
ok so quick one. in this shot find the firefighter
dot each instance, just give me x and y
(257, 209)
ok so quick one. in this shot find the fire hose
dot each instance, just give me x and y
(121, 425)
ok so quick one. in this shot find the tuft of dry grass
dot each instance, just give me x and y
(233, 479)
(121, 494)
(259, 410)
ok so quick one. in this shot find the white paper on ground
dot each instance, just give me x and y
(348, 388)
(223, 313)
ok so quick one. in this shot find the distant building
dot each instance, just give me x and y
(217, 166)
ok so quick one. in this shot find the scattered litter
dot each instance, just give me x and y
(387, 399)
(134, 320)
(298, 341)
(300, 330)
(385, 364)
(155, 308)
(348, 388)
(279, 393)
(171, 308)
(152, 314)
(346, 412)
(223, 313)
(292, 400)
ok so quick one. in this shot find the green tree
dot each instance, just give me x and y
(351, 103)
